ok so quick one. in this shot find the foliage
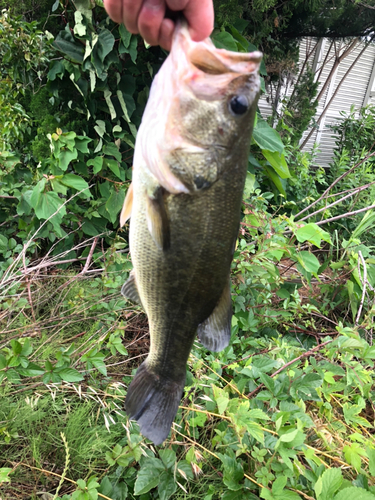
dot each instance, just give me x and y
(300, 108)
(272, 416)
(286, 410)
(354, 132)
(71, 174)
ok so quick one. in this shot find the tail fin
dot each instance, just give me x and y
(153, 401)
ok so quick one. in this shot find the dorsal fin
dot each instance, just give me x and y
(127, 207)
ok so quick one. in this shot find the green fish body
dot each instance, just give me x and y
(188, 180)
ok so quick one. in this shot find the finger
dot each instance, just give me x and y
(124, 11)
(150, 20)
(177, 4)
(200, 17)
(114, 10)
(166, 34)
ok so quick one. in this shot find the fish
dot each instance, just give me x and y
(184, 205)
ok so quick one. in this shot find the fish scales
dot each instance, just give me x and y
(185, 216)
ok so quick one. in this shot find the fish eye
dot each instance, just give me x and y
(238, 105)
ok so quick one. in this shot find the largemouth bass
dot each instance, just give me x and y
(189, 171)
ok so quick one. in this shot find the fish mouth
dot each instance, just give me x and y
(208, 71)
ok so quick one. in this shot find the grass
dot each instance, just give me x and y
(269, 406)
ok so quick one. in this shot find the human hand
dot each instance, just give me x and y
(147, 17)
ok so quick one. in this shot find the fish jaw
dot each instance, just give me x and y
(195, 74)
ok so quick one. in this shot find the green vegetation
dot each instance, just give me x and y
(286, 412)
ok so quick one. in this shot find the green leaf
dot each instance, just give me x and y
(279, 485)
(353, 453)
(57, 69)
(81, 143)
(100, 127)
(308, 261)
(107, 97)
(65, 43)
(112, 150)
(105, 486)
(79, 28)
(105, 43)
(4, 474)
(184, 468)
(234, 495)
(132, 49)
(168, 458)
(125, 35)
(120, 491)
(3, 243)
(250, 185)
(48, 204)
(70, 375)
(97, 163)
(76, 182)
(289, 436)
(147, 479)
(371, 456)
(233, 472)
(97, 361)
(312, 233)
(224, 40)
(32, 370)
(3, 362)
(328, 483)
(197, 419)
(167, 485)
(242, 42)
(113, 166)
(351, 414)
(114, 204)
(35, 195)
(266, 137)
(123, 105)
(65, 157)
(353, 493)
(277, 161)
(275, 179)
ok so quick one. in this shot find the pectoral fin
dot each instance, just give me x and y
(157, 219)
(214, 332)
(127, 207)
(129, 289)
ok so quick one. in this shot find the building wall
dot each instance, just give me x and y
(357, 88)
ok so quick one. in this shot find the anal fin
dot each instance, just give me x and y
(214, 332)
(153, 401)
(127, 207)
(129, 289)
(157, 219)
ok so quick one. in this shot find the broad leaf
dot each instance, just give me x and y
(49, 204)
(147, 479)
(224, 40)
(277, 161)
(353, 493)
(308, 261)
(266, 137)
(167, 485)
(70, 375)
(76, 182)
(66, 44)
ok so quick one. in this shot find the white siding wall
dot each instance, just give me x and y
(353, 91)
